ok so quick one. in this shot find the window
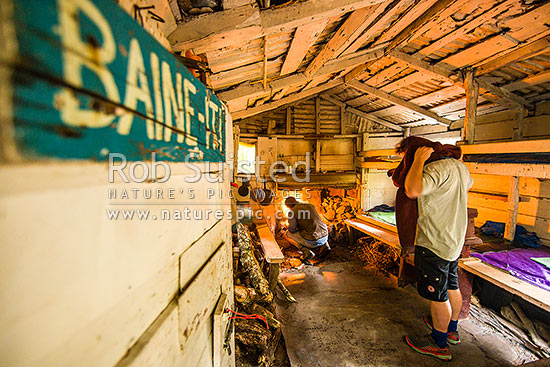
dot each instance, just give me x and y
(246, 162)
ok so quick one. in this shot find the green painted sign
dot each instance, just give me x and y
(88, 80)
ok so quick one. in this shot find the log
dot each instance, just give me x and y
(245, 295)
(268, 315)
(251, 266)
(252, 334)
(289, 297)
(528, 325)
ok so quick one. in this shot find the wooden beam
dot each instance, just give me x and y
(288, 17)
(441, 70)
(518, 130)
(435, 71)
(523, 146)
(513, 201)
(398, 101)
(506, 96)
(515, 169)
(542, 77)
(381, 17)
(286, 100)
(342, 120)
(472, 94)
(466, 28)
(288, 128)
(317, 155)
(355, 21)
(317, 115)
(231, 27)
(410, 31)
(265, 63)
(524, 52)
(362, 114)
(304, 37)
(217, 30)
(246, 91)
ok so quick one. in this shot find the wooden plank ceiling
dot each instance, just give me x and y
(395, 64)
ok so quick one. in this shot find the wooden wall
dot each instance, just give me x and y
(80, 289)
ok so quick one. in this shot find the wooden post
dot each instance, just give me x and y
(318, 115)
(365, 141)
(518, 130)
(472, 93)
(317, 155)
(513, 200)
(407, 132)
(265, 62)
(273, 276)
(342, 120)
(288, 129)
(271, 126)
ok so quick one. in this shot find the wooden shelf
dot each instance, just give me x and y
(501, 278)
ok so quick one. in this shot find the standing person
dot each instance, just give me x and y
(306, 229)
(440, 183)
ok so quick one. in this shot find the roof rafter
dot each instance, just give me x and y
(440, 70)
(246, 91)
(362, 114)
(286, 100)
(356, 21)
(304, 37)
(398, 101)
(229, 27)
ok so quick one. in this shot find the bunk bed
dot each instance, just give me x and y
(384, 159)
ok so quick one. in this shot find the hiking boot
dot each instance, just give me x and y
(452, 338)
(324, 252)
(426, 345)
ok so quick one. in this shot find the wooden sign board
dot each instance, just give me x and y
(81, 79)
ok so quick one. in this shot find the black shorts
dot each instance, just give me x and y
(435, 275)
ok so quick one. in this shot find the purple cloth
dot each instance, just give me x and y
(519, 264)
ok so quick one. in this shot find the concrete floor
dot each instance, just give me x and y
(347, 316)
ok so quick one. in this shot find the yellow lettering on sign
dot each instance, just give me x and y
(77, 54)
(155, 69)
(188, 88)
(170, 101)
(136, 90)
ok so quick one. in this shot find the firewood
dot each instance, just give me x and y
(251, 266)
(268, 315)
(289, 297)
(528, 325)
(508, 313)
(245, 295)
(252, 334)
(543, 330)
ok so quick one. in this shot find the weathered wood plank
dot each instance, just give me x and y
(395, 100)
(526, 51)
(286, 100)
(229, 27)
(353, 23)
(304, 37)
(513, 201)
(362, 114)
(472, 93)
(527, 291)
(90, 98)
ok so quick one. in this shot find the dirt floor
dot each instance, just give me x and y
(351, 316)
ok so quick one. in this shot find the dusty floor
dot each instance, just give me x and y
(347, 316)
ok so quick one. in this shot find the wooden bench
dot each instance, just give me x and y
(272, 252)
(504, 280)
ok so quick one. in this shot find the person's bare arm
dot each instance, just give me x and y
(413, 181)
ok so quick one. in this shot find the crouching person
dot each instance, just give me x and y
(306, 229)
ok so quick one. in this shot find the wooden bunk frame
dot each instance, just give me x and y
(501, 278)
